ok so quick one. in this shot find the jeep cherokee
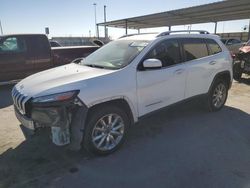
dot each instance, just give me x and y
(94, 101)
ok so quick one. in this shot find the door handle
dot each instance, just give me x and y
(212, 63)
(179, 71)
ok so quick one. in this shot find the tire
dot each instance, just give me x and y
(217, 96)
(102, 134)
(237, 72)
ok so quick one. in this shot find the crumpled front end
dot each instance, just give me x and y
(35, 114)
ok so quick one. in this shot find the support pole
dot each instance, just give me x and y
(97, 30)
(1, 27)
(215, 28)
(126, 27)
(138, 31)
(169, 28)
(249, 30)
(105, 28)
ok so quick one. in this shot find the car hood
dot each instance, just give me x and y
(59, 79)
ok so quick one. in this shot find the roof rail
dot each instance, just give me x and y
(129, 35)
(182, 31)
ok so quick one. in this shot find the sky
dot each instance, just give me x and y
(77, 18)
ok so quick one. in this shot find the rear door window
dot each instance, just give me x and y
(194, 48)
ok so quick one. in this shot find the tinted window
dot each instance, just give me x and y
(167, 51)
(194, 48)
(12, 44)
(54, 44)
(233, 41)
(236, 41)
(214, 48)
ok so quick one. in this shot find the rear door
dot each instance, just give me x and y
(13, 56)
(201, 65)
(157, 88)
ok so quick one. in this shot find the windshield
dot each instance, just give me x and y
(115, 55)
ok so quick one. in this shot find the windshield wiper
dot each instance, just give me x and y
(95, 66)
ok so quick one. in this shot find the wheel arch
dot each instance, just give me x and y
(225, 75)
(120, 101)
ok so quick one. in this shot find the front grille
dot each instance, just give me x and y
(19, 100)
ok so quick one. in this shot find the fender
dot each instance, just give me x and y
(109, 99)
(221, 74)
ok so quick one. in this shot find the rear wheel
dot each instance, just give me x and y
(217, 95)
(106, 130)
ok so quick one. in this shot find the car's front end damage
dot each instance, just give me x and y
(55, 111)
(52, 99)
(242, 62)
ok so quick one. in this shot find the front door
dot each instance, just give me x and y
(157, 88)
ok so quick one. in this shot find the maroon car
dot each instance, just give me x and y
(25, 54)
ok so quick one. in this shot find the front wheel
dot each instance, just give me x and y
(218, 95)
(106, 130)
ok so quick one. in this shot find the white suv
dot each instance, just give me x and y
(93, 102)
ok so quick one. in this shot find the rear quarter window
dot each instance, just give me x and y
(213, 46)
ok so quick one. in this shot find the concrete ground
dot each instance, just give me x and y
(184, 146)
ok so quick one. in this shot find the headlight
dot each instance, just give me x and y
(56, 97)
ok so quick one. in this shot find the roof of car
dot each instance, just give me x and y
(25, 34)
(152, 36)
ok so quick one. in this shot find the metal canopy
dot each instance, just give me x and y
(213, 12)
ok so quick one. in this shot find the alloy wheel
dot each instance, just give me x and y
(108, 132)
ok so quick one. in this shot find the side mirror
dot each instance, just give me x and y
(98, 42)
(77, 61)
(152, 63)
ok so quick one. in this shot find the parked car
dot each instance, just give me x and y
(95, 101)
(23, 55)
(242, 62)
(233, 45)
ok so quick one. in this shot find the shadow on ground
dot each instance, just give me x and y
(6, 99)
(184, 146)
(33, 159)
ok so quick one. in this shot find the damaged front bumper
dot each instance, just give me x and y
(25, 121)
(66, 121)
(55, 117)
